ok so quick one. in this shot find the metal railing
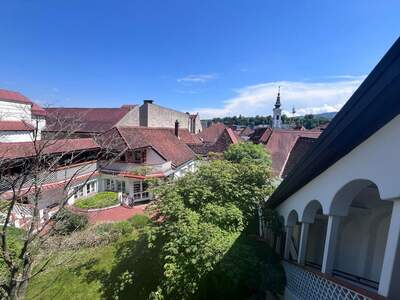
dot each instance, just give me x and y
(307, 285)
(357, 279)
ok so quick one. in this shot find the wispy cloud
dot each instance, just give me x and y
(306, 96)
(200, 78)
(347, 77)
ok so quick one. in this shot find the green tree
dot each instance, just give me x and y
(248, 152)
(201, 219)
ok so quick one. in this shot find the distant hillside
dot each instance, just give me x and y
(328, 115)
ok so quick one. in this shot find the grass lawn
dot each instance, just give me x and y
(84, 273)
(70, 281)
(100, 200)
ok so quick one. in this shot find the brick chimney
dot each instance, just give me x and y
(148, 101)
(177, 128)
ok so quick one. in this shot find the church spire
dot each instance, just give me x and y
(276, 117)
(278, 98)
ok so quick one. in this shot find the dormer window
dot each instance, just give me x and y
(139, 156)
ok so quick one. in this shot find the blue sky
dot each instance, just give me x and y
(223, 57)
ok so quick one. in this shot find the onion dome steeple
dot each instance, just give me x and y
(278, 98)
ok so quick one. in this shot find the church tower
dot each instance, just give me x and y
(277, 118)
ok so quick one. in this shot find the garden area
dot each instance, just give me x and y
(201, 242)
(100, 200)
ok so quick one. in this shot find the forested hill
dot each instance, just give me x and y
(308, 121)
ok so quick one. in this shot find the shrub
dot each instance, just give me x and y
(139, 221)
(100, 200)
(114, 230)
(67, 221)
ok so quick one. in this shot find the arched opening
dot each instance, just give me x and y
(313, 215)
(362, 233)
(294, 228)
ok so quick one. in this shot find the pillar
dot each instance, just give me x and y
(303, 243)
(390, 274)
(330, 244)
(289, 232)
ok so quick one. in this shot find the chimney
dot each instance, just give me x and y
(148, 101)
(177, 128)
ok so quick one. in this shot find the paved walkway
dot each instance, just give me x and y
(116, 214)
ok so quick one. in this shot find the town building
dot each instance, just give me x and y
(69, 122)
(91, 150)
(21, 119)
(340, 203)
(216, 138)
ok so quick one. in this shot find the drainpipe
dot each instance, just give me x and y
(177, 128)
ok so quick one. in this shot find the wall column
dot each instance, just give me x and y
(303, 243)
(390, 274)
(330, 244)
(289, 231)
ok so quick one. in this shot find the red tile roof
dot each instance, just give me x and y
(15, 126)
(94, 120)
(232, 136)
(300, 148)
(162, 140)
(280, 143)
(247, 131)
(28, 149)
(212, 133)
(17, 97)
(261, 134)
(224, 140)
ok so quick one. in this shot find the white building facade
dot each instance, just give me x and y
(341, 205)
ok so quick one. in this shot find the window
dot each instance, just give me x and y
(139, 156)
(78, 192)
(137, 187)
(140, 190)
(107, 184)
(90, 187)
(121, 186)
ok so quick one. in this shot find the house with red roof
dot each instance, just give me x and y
(67, 122)
(215, 138)
(20, 118)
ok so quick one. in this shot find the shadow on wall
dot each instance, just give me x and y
(247, 271)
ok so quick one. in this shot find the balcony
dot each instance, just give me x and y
(304, 283)
(148, 169)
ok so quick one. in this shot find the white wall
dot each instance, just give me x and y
(15, 136)
(153, 158)
(11, 111)
(376, 159)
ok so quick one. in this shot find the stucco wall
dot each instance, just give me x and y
(131, 118)
(11, 111)
(376, 159)
(152, 115)
(15, 136)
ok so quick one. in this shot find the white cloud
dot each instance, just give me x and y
(306, 97)
(197, 78)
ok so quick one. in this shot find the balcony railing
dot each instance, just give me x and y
(131, 167)
(307, 285)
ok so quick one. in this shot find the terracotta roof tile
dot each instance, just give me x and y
(281, 142)
(247, 131)
(212, 133)
(300, 148)
(93, 120)
(27, 149)
(161, 140)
